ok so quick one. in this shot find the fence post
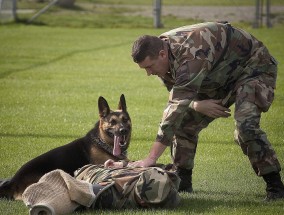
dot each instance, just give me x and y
(14, 9)
(259, 14)
(157, 8)
(268, 21)
(256, 18)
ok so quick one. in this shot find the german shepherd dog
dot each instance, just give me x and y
(109, 139)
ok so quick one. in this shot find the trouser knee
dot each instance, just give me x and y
(183, 153)
(260, 152)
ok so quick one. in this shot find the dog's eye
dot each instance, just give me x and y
(113, 122)
(124, 120)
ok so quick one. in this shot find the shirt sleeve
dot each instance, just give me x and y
(189, 77)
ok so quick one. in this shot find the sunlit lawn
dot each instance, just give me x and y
(51, 78)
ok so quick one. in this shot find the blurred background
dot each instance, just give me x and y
(141, 13)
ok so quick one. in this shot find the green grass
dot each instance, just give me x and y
(51, 78)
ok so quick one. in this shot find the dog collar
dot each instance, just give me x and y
(106, 147)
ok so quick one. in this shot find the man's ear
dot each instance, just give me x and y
(163, 53)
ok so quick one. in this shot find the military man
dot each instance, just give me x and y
(206, 68)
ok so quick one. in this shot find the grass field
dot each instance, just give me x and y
(51, 78)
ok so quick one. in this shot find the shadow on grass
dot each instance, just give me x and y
(226, 141)
(30, 135)
(64, 56)
(205, 202)
(195, 204)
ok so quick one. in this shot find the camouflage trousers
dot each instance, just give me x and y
(251, 98)
(137, 187)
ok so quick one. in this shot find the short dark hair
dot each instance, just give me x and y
(146, 46)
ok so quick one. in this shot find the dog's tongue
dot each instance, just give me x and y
(116, 148)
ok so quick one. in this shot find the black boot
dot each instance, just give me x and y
(274, 186)
(186, 178)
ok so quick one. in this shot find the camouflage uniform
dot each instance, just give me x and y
(217, 61)
(132, 187)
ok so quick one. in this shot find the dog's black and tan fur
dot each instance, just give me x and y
(109, 139)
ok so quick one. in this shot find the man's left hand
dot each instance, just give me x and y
(212, 108)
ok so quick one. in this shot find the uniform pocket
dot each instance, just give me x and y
(257, 92)
(264, 96)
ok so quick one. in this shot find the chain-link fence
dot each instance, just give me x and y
(7, 10)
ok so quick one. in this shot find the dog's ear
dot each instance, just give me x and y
(122, 103)
(104, 109)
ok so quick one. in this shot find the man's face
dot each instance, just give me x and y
(158, 66)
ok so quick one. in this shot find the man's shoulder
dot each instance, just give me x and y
(185, 30)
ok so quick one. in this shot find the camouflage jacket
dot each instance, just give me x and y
(205, 59)
(132, 187)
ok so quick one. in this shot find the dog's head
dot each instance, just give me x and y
(115, 126)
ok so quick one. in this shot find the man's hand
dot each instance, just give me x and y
(155, 152)
(142, 163)
(113, 164)
(212, 108)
